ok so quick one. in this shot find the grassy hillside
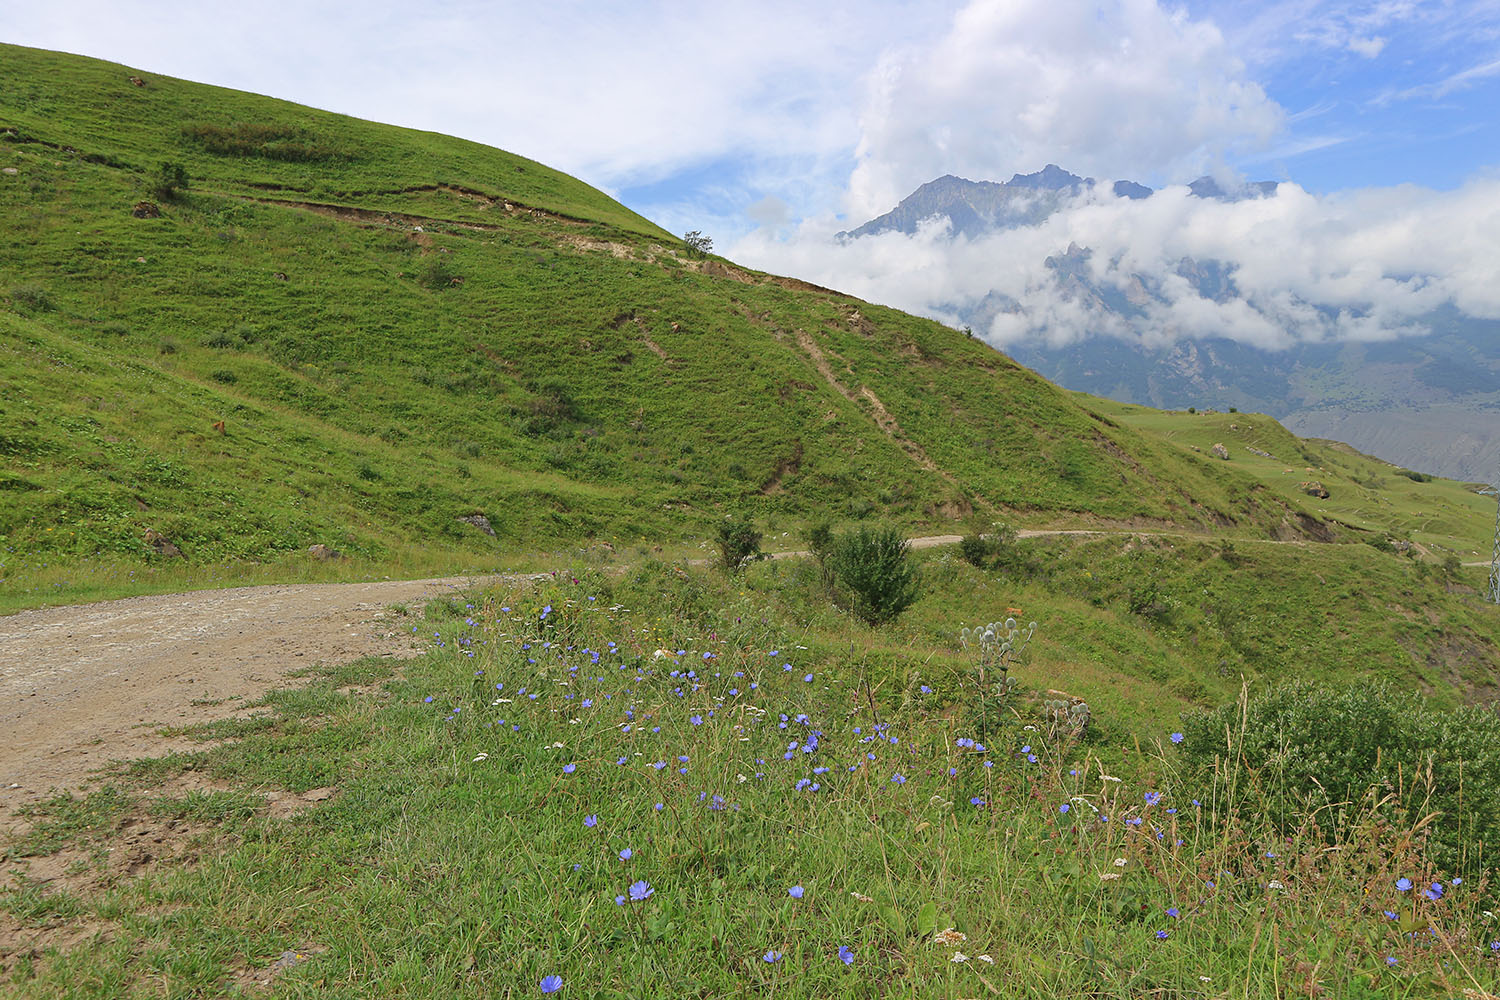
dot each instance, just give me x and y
(350, 334)
(1374, 497)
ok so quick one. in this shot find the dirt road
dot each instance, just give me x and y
(81, 686)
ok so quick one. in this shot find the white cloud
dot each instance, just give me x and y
(1122, 88)
(620, 94)
(1360, 265)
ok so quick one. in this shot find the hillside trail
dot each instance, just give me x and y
(84, 686)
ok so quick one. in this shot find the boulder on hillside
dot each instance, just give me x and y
(160, 544)
(323, 553)
(146, 210)
(1221, 452)
(1313, 489)
(478, 521)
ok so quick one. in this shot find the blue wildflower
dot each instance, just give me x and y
(551, 984)
(591, 821)
(771, 956)
(795, 892)
(1403, 884)
(1176, 737)
(640, 890)
(845, 955)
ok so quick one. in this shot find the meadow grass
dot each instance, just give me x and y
(664, 783)
(1365, 492)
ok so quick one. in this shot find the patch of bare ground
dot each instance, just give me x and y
(82, 687)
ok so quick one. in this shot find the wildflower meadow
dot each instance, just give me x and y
(596, 786)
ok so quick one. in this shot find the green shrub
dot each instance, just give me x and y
(872, 565)
(1304, 747)
(171, 180)
(820, 542)
(739, 543)
(981, 549)
(32, 297)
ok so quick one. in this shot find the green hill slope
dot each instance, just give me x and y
(357, 335)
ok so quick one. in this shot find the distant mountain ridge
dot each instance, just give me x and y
(1429, 403)
(978, 207)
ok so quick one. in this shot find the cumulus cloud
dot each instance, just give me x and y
(1359, 265)
(1125, 88)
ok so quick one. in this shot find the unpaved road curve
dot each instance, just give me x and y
(85, 685)
(81, 686)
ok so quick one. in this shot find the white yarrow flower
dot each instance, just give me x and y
(959, 956)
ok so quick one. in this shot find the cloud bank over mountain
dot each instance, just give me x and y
(1293, 267)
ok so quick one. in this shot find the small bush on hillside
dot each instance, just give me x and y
(698, 245)
(1304, 748)
(739, 543)
(820, 542)
(436, 274)
(32, 297)
(170, 181)
(872, 565)
(551, 409)
(983, 549)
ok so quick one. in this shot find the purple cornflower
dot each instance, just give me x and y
(899, 779)
(640, 890)
(569, 768)
(1162, 935)
(1403, 884)
(625, 854)
(551, 984)
(591, 821)
(771, 956)
(795, 892)
(1176, 737)
(845, 955)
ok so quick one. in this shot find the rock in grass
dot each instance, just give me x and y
(478, 521)
(161, 545)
